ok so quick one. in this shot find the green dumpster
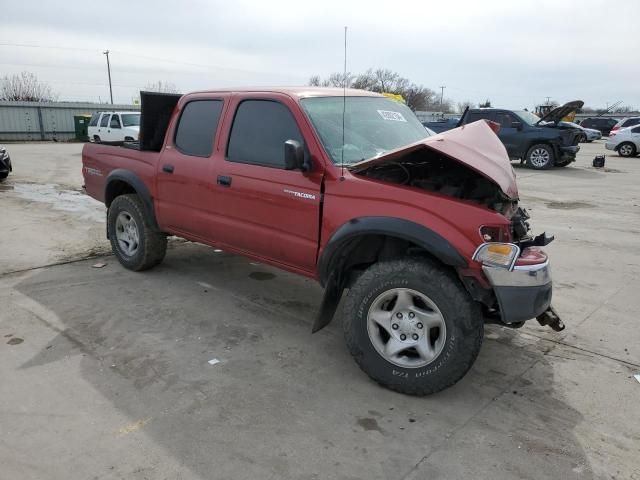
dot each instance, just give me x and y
(81, 124)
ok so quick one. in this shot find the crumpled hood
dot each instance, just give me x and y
(474, 145)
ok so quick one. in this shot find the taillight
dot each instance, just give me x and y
(612, 133)
(495, 233)
(614, 129)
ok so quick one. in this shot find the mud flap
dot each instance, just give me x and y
(330, 301)
(551, 319)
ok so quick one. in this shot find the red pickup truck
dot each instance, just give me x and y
(345, 187)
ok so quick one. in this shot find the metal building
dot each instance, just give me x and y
(37, 121)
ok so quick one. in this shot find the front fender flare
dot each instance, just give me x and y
(331, 275)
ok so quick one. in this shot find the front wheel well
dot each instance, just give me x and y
(359, 253)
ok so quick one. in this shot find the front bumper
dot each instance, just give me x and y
(569, 153)
(522, 293)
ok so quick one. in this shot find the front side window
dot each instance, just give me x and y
(105, 120)
(197, 127)
(259, 130)
(527, 117)
(130, 119)
(372, 126)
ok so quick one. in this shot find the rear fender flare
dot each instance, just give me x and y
(128, 177)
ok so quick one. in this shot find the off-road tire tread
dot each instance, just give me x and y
(153, 242)
(472, 328)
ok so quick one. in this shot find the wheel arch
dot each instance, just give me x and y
(121, 182)
(378, 233)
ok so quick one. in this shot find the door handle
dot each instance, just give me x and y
(167, 168)
(224, 180)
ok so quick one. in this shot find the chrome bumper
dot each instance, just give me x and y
(522, 293)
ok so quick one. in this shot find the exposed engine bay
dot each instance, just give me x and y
(434, 172)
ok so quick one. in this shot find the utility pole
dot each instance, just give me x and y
(106, 52)
(548, 99)
(442, 98)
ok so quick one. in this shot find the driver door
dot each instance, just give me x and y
(263, 209)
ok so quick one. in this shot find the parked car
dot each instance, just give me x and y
(442, 124)
(625, 123)
(426, 233)
(625, 141)
(5, 163)
(588, 134)
(604, 124)
(114, 127)
(540, 142)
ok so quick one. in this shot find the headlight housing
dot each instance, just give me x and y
(497, 254)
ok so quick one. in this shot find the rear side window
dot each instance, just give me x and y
(631, 122)
(259, 130)
(115, 121)
(94, 119)
(105, 120)
(197, 127)
(635, 130)
(475, 116)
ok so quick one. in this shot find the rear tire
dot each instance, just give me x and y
(540, 157)
(3, 175)
(136, 243)
(583, 138)
(627, 149)
(96, 139)
(416, 299)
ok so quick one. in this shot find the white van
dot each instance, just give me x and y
(108, 127)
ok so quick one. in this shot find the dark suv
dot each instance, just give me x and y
(541, 142)
(604, 124)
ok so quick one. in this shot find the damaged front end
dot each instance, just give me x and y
(517, 271)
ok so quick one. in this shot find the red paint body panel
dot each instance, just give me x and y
(258, 216)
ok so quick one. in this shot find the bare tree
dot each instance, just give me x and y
(25, 86)
(485, 104)
(382, 80)
(161, 87)
(462, 106)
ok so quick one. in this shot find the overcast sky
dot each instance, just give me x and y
(514, 53)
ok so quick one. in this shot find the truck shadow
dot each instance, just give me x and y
(282, 402)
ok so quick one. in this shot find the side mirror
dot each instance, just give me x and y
(516, 125)
(294, 156)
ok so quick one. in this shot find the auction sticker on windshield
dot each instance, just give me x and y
(389, 115)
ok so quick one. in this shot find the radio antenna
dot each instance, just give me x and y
(344, 96)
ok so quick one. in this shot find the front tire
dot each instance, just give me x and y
(540, 157)
(411, 326)
(135, 242)
(627, 149)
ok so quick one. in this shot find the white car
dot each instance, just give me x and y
(114, 127)
(588, 134)
(625, 141)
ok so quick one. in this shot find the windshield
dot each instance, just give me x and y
(527, 117)
(372, 126)
(130, 119)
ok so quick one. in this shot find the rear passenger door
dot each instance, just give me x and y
(509, 134)
(265, 210)
(185, 177)
(103, 127)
